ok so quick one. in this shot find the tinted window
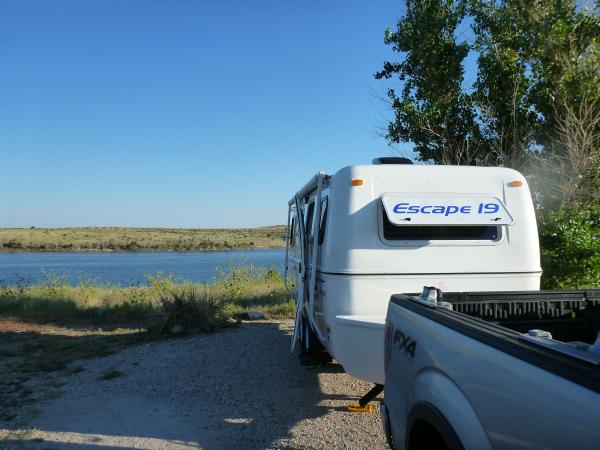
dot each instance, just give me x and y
(309, 218)
(442, 233)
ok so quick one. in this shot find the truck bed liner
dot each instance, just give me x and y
(567, 315)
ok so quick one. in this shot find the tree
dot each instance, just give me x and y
(502, 88)
(432, 111)
(533, 58)
(569, 173)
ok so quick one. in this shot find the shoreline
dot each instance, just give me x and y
(117, 239)
(141, 250)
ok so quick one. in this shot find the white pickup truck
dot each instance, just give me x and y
(501, 370)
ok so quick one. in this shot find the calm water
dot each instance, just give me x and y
(128, 268)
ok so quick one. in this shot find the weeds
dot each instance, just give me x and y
(242, 287)
(186, 309)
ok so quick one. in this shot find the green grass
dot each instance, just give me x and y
(243, 288)
(139, 239)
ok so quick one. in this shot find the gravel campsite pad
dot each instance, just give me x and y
(240, 388)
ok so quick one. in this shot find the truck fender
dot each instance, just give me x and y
(436, 398)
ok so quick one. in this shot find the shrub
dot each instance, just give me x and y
(570, 247)
(55, 286)
(273, 277)
(186, 309)
(12, 244)
(160, 283)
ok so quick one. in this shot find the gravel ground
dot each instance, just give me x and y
(237, 389)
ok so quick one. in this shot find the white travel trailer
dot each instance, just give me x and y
(369, 231)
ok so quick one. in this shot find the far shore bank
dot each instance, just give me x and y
(118, 239)
(138, 250)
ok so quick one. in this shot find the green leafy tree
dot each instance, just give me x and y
(533, 57)
(502, 89)
(536, 58)
(570, 248)
(431, 110)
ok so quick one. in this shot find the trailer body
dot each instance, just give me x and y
(369, 231)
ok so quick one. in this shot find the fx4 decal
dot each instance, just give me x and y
(397, 339)
(405, 343)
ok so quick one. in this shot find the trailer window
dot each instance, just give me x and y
(292, 232)
(309, 219)
(442, 232)
(323, 222)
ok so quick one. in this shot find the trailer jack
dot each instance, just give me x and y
(363, 404)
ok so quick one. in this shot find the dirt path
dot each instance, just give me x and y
(236, 389)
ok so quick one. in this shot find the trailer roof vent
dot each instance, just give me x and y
(391, 160)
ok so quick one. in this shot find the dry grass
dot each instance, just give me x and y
(243, 287)
(139, 239)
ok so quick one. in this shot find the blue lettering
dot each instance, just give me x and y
(491, 208)
(400, 207)
(482, 208)
(451, 210)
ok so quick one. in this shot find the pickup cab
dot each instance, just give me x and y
(501, 370)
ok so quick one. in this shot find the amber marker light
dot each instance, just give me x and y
(515, 184)
(357, 182)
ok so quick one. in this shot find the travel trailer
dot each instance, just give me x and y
(369, 231)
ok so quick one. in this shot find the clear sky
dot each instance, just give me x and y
(183, 113)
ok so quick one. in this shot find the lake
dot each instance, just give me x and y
(128, 268)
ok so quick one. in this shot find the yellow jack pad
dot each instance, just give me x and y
(355, 407)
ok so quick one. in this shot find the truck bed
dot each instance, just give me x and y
(503, 320)
(567, 315)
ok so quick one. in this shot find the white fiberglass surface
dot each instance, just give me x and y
(355, 239)
(353, 309)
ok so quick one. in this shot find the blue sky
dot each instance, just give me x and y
(183, 113)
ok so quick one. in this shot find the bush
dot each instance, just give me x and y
(570, 247)
(12, 244)
(186, 309)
